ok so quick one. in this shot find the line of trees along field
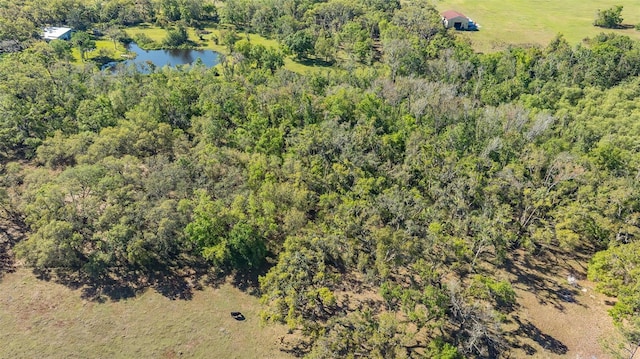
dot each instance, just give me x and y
(411, 180)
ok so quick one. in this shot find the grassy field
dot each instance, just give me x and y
(537, 21)
(40, 319)
(103, 47)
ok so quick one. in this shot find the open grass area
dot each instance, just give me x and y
(155, 33)
(40, 319)
(537, 21)
(103, 48)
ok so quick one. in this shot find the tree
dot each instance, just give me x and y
(263, 19)
(116, 35)
(301, 43)
(169, 10)
(191, 11)
(400, 56)
(298, 289)
(210, 12)
(362, 334)
(420, 18)
(224, 239)
(79, 16)
(355, 41)
(331, 16)
(124, 12)
(176, 37)
(62, 49)
(35, 99)
(610, 18)
(617, 273)
(325, 48)
(83, 42)
(54, 245)
(272, 59)
(229, 37)
(236, 12)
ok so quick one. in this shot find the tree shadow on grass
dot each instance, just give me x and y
(619, 27)
(297, 347)
(314, 62)
(7, 262)
(528, 330)
(9, 237)
(537, 277)
(247, 280)
(176, 280)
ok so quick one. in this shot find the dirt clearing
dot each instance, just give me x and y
(557, 317)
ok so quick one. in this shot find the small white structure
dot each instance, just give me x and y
(57, 33)
(454, 19)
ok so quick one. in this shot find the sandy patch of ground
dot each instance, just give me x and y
(557, 319)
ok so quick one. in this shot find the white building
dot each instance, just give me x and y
(456, 20)
(57, 33)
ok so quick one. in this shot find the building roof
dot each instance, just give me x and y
(450, 14)
(52, 33)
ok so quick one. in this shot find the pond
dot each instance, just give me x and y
(161, 58)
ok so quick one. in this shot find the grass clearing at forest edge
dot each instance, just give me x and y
(505, 23)
(43, 319)
(103, 47)
(40, 319)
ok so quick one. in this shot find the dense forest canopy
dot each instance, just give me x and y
(411, 170)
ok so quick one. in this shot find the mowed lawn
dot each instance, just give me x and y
(41, 319)
(506, 22)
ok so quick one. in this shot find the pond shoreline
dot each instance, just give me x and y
(149, 59)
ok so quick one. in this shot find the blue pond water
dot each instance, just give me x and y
(161, 58)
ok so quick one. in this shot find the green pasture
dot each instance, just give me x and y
(505, 23)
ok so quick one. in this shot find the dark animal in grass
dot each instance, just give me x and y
(237, 316)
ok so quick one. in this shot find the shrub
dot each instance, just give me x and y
(610, 18)
(176, 37)
(144, 41)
